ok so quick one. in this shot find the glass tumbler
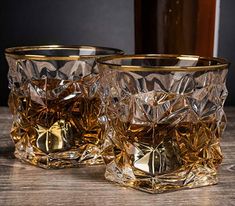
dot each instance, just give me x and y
(164, 120)
(55, 104)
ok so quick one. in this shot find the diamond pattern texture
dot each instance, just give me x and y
(55, 107)
(163, 128)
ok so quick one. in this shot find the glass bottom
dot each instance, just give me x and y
(66, 159)
(163, 158)
(190, 178)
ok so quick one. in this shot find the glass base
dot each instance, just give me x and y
(190, 178)
(57, 160)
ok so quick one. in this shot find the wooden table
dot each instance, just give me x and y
(22, 184)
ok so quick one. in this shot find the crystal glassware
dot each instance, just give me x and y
(55, 105)
(164, 120)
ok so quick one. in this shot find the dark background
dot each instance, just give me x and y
(227, 43)
(94, 22)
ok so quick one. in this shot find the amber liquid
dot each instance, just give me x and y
(161, 157)
(53, 116)
(162, 148)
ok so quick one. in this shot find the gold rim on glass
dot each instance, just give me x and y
(220, 63)
(14, 52)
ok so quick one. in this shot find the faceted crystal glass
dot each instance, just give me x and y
(55, 104)
(164, 119)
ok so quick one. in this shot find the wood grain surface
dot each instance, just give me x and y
(22, 184)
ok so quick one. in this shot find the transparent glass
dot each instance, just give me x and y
(164, 119)
(55, 105)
